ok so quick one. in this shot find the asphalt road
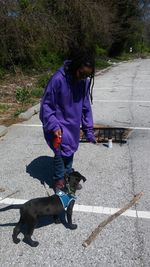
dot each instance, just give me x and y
(121, 98)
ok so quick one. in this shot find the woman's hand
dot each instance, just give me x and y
(58, 133)
(57, 139)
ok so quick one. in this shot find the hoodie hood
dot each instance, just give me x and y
(64, 69)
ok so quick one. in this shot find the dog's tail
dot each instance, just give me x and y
(11, 207)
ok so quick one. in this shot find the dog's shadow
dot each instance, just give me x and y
(42, 221)
(42, 168)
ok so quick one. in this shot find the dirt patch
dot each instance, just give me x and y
(9, 106)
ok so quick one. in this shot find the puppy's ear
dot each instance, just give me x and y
(83, 178)
(80, 176)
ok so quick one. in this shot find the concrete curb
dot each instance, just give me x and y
(30, 112)
(25, 116)
(100, 72)
(3, 130)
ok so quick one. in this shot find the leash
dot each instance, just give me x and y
(71, 192)
(46, 189)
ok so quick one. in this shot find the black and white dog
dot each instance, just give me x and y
(52, 205)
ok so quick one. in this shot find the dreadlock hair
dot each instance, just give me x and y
(79, 60)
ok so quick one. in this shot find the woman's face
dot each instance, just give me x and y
(84, 72)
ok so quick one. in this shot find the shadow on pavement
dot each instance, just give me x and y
(42, 221)
(42, 169)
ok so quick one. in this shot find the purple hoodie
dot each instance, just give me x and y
(65, 106)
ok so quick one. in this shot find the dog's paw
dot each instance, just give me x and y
(34, 243)
(73, 226)
(30, 242)
(15, 239)
(57, 221)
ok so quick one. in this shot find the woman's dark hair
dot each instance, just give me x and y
(80, 60)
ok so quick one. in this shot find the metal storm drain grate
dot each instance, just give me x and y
(103, 134)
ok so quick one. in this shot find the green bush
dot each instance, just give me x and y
(24, 3)
(101, 64)
(22, 94)
(42, 81)
(50, 60)
(37, 92)
(143, 48)
(101, 58)
(2, 72)
(18, 111)
(100, 52)
(125, 56)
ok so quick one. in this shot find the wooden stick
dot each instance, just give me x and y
(100, 227)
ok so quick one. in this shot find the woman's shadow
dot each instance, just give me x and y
(42, 168)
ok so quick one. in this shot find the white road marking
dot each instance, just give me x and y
(90, 209)
(27, 125)
(121, 100)
(126, 127)
(110, 211)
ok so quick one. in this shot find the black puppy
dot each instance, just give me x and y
(53, 205)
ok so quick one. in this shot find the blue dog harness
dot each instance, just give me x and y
(65, 198)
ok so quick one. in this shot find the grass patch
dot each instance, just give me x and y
(18, 111)
(38, 89)
(126, 57)
(22, 94)
(131, 56)
(43, 80)
(102, 64)
(37, 92)
(2, 73)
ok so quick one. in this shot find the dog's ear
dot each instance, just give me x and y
(79, 176)
(83, 178)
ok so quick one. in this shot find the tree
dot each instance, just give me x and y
(37, 33)
(127, 28)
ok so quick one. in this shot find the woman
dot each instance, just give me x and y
(64, 107)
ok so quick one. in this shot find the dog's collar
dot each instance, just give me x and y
(65, 198)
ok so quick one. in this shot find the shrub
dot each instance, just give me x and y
(22, 94)
(100, 52)
(101, 64)
(37, 92)
(18, 111)
(2, 72)
(42, 81)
